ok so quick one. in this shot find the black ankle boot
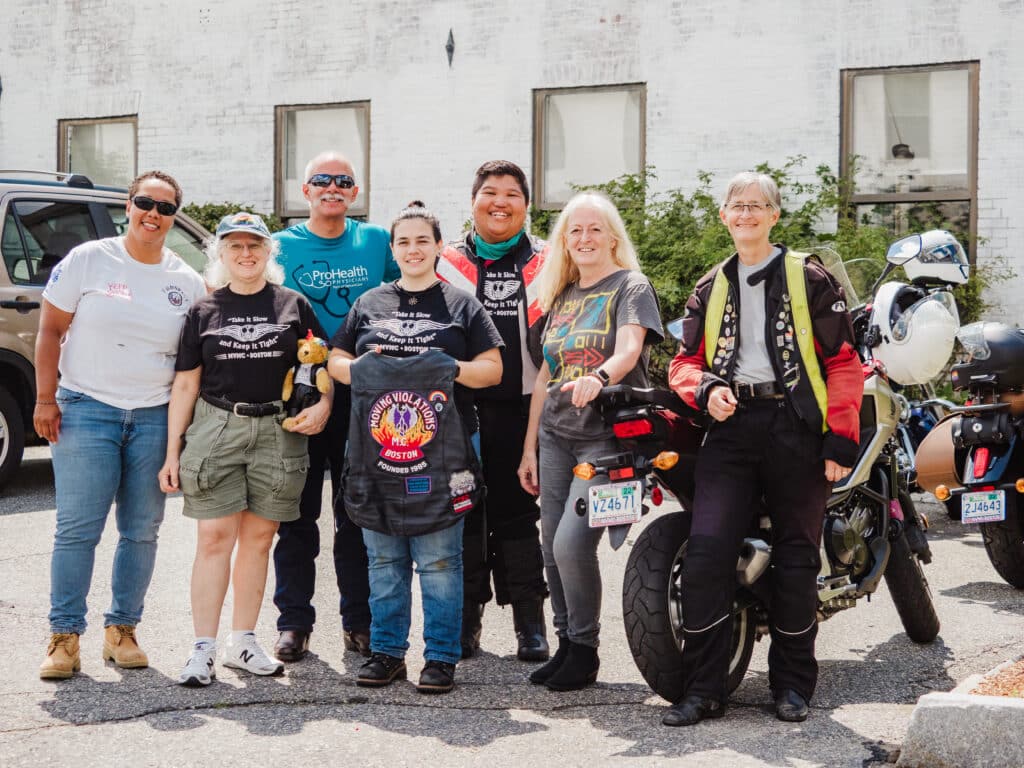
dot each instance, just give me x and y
(531, 631)
(472, 615)
(540, 675)
(577, 671)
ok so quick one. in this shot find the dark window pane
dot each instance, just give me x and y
(50, 230)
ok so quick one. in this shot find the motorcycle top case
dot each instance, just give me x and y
(410, 468)
(995, 428)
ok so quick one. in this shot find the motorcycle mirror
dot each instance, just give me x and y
(675, 328)
(904, 250)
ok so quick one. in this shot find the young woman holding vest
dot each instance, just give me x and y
(412, 351)
(768, 352)
(603, 315)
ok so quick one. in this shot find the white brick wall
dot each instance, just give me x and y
(730, 83)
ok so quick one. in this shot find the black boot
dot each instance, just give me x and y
(577, 671)
(541, 675)
(531, 630)
(472, 615)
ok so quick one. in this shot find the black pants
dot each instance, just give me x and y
(501, 536)
(762, 451)
(298, 542)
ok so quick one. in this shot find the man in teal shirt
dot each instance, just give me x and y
(331, 260)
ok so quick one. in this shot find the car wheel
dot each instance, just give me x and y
(12, 435)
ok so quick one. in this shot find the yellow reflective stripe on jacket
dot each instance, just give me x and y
(796, 283)
(713, 317)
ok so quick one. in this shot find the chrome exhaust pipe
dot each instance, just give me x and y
(755, 555)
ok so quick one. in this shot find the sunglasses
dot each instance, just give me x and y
(144, 203)
(341, 181)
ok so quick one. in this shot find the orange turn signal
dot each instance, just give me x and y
(1019, 485)
(942, 492)
(584, 471)
(666, 460)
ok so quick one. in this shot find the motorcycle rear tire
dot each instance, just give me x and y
(910, 594)
(1004, 543)
(652, 609)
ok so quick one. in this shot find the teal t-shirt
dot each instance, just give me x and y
(333, 272)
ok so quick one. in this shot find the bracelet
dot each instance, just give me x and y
(46, 402)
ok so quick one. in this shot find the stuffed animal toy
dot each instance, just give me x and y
(307, 380)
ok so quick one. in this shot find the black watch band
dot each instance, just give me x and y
(603, 377)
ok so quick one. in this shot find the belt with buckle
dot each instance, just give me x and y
(765, 390)
(242, 409)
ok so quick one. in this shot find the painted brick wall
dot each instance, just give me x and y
(730, 83)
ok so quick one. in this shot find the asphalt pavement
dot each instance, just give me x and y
(871, 676)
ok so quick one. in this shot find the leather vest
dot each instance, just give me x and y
(410, 468)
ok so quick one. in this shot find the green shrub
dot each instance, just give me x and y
(209, 214)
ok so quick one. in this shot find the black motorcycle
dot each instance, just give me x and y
(973, 460)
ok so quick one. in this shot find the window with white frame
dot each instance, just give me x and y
(586, 136)
(303, 132)
(105, 149)
(910, 145)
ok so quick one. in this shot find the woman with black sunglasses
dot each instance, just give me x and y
(118, 304)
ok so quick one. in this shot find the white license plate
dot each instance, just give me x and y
(983, 507)
(616, 503)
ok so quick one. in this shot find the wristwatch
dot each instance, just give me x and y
(602, 375)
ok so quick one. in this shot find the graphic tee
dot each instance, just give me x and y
(500, 291)
(333, 272)
(580, 337)
(246, 343)
(122, 341)
(402, 323)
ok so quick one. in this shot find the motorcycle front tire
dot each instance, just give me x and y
(909, 590)
(1004, 543)
(652, 609)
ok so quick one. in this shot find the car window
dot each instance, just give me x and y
(39, 233)
(180, 240)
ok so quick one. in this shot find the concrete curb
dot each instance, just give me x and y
(963, 730)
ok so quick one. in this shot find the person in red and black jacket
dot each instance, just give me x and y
(497, 261)
(767, 351)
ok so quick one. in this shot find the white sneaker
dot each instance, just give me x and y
(249, 656)
(198, 670)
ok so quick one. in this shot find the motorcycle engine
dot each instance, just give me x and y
(844, 537)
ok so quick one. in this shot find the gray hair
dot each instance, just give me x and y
(739, 182)
(217, 276)
(324, 157)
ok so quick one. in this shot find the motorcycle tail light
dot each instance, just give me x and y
(621, 474)
(633, 428)
(657, 496)
(584, 471)
(665, 460)
(981, 456)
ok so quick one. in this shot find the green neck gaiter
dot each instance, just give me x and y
(495, 251)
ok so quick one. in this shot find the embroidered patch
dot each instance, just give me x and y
(438, 399)
(461, 482)
(839, 306)
(402, 422)
(462, 504)
(417, 485)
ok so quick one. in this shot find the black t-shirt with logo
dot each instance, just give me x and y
(404, 323)
(246, 343)
(501, 285)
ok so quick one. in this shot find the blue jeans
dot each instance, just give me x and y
(438, 559)
(105, 454)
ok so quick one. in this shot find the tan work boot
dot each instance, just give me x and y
(62, 660)
(121, 647)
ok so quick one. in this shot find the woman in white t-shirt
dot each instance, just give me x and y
(112, 313)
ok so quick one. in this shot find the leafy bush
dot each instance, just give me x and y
(679, 236)
(209, 214)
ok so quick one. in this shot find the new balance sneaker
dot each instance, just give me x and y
(198, 670)
(248, 655)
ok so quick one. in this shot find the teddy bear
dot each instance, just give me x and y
(307, 380)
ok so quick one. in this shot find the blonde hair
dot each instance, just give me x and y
(217, 276)
(559, 269)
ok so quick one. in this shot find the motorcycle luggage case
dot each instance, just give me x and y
(935, 460)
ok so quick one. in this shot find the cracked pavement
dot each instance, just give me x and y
(871, 676)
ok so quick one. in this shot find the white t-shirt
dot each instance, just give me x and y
(121, 344)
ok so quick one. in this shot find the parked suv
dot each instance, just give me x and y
(43, 216)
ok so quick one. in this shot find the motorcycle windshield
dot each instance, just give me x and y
(833, 262)
(930, 307)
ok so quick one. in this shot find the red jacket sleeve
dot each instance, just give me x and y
(688, 375)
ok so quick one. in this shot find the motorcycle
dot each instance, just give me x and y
(973, 460)
(872, 529)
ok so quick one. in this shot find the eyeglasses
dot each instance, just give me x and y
(144, 203)
(237, 248)
(341, 181)
(750, 207)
